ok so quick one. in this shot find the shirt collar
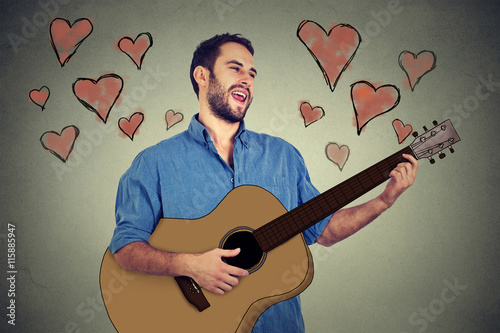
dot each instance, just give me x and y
(200, 134)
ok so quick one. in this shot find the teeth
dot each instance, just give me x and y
(240, 94)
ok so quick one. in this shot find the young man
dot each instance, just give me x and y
(187, 175)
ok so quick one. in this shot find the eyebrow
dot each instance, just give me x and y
(240, 64)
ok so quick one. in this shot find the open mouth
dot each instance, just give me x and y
(239, 96)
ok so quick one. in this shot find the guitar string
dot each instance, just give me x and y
(294, 221)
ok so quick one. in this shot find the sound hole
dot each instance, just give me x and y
(251, 256)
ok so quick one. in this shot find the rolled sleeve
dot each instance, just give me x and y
(138, 205)
(306, 192)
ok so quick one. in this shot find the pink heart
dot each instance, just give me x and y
(402, 130)
(311, 114)
(136, 49)
(99, 96)
(333, 51)
(40, 96)
(131, 125)
(370, 102)
(66, 38)
(337, 154)
(61, 144)
(172, 118)
(416, 66)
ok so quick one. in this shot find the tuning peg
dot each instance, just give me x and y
(442, 155)
(432, 160)
(415, 134)
(452, 150)
(435, 123)
(425, 128)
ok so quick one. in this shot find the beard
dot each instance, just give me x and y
(218, 102)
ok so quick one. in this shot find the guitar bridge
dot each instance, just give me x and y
(192, 292)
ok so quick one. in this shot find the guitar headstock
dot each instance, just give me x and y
(435, 140)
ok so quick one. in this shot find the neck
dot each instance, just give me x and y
(221, 132)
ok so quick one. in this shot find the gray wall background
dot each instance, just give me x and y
(390, 277)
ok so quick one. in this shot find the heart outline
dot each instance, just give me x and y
(59, 136)
(310, 113)
(415, 57)
(401, 128)
(127, 38)
(103, 117)
(173, 114)
(340, 164)
(129, 120)
(325, 71)
(35, 99)
(356, 113)
(63, 60)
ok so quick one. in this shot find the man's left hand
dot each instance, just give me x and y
(402, 177)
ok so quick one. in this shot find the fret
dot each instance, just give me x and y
(300, 218)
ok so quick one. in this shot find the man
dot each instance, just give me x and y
(187, 175)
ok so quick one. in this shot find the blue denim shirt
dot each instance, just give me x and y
(184, 177)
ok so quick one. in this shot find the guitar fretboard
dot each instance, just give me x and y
(306, 215)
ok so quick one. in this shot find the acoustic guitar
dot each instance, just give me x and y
(273, 250)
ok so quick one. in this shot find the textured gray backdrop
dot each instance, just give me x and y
(430, 264)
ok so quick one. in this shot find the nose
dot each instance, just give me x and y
(246, 79)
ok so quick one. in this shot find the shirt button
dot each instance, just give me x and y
(232, 180)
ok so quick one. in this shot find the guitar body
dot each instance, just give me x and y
(137, 302)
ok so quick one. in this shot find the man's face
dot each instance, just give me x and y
(230, 89)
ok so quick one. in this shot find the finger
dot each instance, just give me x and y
(411, 159)
(230, 253)
(236, 271)
(414, 163)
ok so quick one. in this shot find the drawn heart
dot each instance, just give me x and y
(337, 154)
(416, 66)
(99, 96)
(60, 144)
(136, 49)
(172, 118)
(131, 125)
(402, 130)
(370, 102)
(333, 51)
(66, 38)
(310, 114)
(40, 96)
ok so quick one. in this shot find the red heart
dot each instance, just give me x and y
(131, 125)
(172, 118)
(333, 51)
(337, 154)
(99, 96)
(311, 114)
(136, 49)
(370, 102)
(40, 96)
(416, 66)
(66, 38)
(61, 144)
(402, 130)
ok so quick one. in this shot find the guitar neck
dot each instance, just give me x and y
(306, 215)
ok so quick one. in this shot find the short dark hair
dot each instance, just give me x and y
(207, 52)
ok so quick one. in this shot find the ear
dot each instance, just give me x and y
(201, 75)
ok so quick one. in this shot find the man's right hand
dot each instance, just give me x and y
(211, 273)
